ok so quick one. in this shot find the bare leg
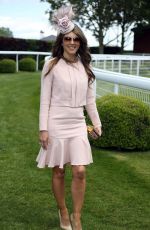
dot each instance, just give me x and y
(58, 187)
(78, 191)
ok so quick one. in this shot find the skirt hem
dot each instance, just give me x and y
(61, 167)
(76, 151)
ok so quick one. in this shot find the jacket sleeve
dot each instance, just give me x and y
(91, 106)
(45, 97)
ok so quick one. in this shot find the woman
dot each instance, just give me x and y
(66, 88)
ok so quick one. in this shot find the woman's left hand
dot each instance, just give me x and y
(98, 129)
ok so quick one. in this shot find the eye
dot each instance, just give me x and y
(76, 39)
(67, 39)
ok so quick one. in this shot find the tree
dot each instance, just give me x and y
(5, 32)
(130, 13)
(97, 16)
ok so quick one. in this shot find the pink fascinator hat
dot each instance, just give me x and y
(62, 19)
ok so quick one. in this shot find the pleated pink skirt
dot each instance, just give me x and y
(68, 139)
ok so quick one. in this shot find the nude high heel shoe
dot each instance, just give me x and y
(74, 224)
(68, 227)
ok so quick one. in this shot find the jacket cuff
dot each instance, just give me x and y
(43, 125)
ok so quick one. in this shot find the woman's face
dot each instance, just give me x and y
(71, 43)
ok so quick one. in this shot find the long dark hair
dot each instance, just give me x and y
(83, 52)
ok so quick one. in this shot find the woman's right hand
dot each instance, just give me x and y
(43, 138)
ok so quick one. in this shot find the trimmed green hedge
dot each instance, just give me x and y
(25, 44)
(27, 64)
(125, 121)
(7, 66)
(41, 64)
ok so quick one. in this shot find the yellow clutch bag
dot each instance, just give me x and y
(92, 133)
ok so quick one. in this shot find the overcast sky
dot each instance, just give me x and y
(26, 18)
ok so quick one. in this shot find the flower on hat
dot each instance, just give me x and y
(64, 22)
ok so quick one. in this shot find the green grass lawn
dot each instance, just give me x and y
(118, 183)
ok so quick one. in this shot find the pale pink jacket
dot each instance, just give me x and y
(66, 85)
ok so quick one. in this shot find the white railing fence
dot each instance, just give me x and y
(118, 83)
(18, 53)
(109, 81)
(129, 64)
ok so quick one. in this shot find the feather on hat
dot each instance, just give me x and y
(62, 19)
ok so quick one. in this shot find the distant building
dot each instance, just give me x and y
(141, 39)
(49, 38)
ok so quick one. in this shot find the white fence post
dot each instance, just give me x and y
(138, 68)
(116, 88)
(104, 64)
(37, 62)
(131, 66)
(112, 65)
(17, 64)
(119, 66)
